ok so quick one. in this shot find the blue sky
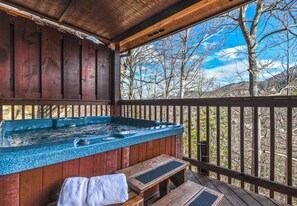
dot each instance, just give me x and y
(226, 63)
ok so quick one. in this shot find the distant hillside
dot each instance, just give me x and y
(271, 86)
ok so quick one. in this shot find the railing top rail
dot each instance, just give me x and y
(271, 101)
(53, 102)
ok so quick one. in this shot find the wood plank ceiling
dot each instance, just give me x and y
(130, 22)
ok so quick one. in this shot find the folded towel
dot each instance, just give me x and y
(107, 190)
(74, 192)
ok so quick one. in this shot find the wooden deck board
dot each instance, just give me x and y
(233, 195)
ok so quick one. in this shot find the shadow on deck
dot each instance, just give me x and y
(233, 195)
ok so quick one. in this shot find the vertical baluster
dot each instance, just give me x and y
(91, 110)
(12, 112)
(189, 133)
(229, 142)
(241, 122)
(155, 111)
(1, 112)
(181, 115)
(218, 140)
(96, 109)
(124, 111)
(161, 113)
(144, 112)
(106, 110)
(272, 148)
(140, 111)
(256, 145)
(174, 114)
(289, 151)
(207, 135)
(72, 111)
(33, 111)
(150, 112)
(167, 113)
(51, 111)
(86, 111)
(198, 132)
(79, 110)
(23, 112)
(66, 110)
(135, 111)
(58, 111)
(42, 111)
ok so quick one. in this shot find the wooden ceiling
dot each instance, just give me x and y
(128, 22)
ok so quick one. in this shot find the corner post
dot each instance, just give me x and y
(116, 76)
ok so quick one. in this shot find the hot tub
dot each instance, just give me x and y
(28, 144)
(37, 155)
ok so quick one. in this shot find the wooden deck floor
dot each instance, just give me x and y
(233, 195)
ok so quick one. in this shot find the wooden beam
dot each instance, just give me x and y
(156, 18)
(22, 8)
(184, 19)
(115, 82)
(67, 9)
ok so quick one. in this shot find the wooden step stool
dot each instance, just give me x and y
(134, 200)
(191, 194)
(156, 171)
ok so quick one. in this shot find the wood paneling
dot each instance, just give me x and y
(86, 166)
(31, 187)
(104, 76)
(99, 164)
(71, 65)
(88, 70)
(9, 192)
(41, 62)
(70, 168)
(51, 63)
(52, 181)
(5, 57)
(27, 59)
(40, 186)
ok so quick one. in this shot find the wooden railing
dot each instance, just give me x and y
(11, 109)
(250, 142)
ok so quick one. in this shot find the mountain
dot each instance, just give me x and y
(274, 85)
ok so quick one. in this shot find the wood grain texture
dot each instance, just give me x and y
(71, 64)
(9, 192)
(86, 166)
(99, 164)
(111, 161)
(31, 187)
(88, 70)
(52, 181)
(70, 168)
(40, 186)
(51, 63)
(5, 57)
(103, 73)
(27, 59)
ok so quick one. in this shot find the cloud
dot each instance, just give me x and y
(231, 54)
(237, 71)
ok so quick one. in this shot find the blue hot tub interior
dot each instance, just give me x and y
(28, 144)
(82, 130)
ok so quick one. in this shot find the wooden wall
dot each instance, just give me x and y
(39, 186)
(41, 62)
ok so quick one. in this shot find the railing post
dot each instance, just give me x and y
(203, 156)
(116, 75)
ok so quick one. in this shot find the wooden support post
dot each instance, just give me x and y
(203, 155)
(115, 83)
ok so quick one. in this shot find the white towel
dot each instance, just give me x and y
(74, 192)
(107, 190)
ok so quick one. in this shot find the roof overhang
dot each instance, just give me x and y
(129, 23)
